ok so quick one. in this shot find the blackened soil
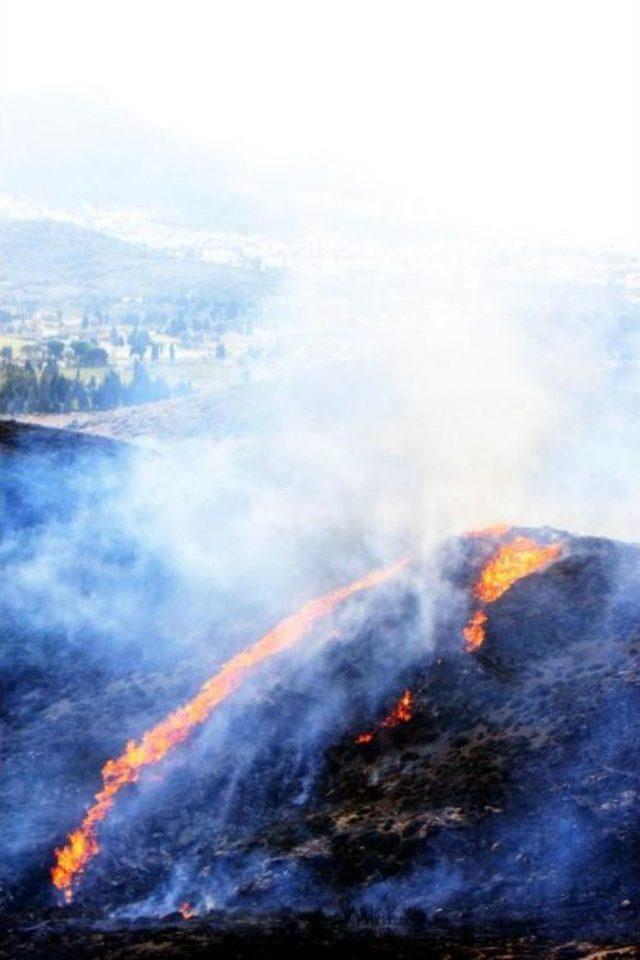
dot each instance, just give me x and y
(310, 935)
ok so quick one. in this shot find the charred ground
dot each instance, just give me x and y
(502, 816)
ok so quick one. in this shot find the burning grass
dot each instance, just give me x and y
(510, 563)
(501, 792)
(82, 844)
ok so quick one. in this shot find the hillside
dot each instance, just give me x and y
(67, 149)
(500, 812)
(55, 262)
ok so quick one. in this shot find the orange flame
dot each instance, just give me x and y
(510, 563)
(82, 844)
(401, 713)
(473, 633)
(187, 911)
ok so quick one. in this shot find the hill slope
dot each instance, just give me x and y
(504, 809)
(52, 261)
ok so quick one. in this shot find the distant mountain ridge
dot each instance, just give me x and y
(67, 150)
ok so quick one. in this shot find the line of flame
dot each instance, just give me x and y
(511, 562)
(401, 713)
(82, 844)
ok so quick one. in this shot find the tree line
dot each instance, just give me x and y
(25, 389)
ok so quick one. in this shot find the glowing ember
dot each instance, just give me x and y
(364, 738)
(510, 563)
(82, 844)
(187, 911)
(401, 713)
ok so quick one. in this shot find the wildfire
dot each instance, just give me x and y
(187, 911)
(510, 563)
(82, 844)
(401, 713)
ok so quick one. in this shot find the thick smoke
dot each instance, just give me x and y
(387, 414)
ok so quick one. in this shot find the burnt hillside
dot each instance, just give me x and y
(500, 814)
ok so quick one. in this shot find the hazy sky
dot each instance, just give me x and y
(513, 114)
